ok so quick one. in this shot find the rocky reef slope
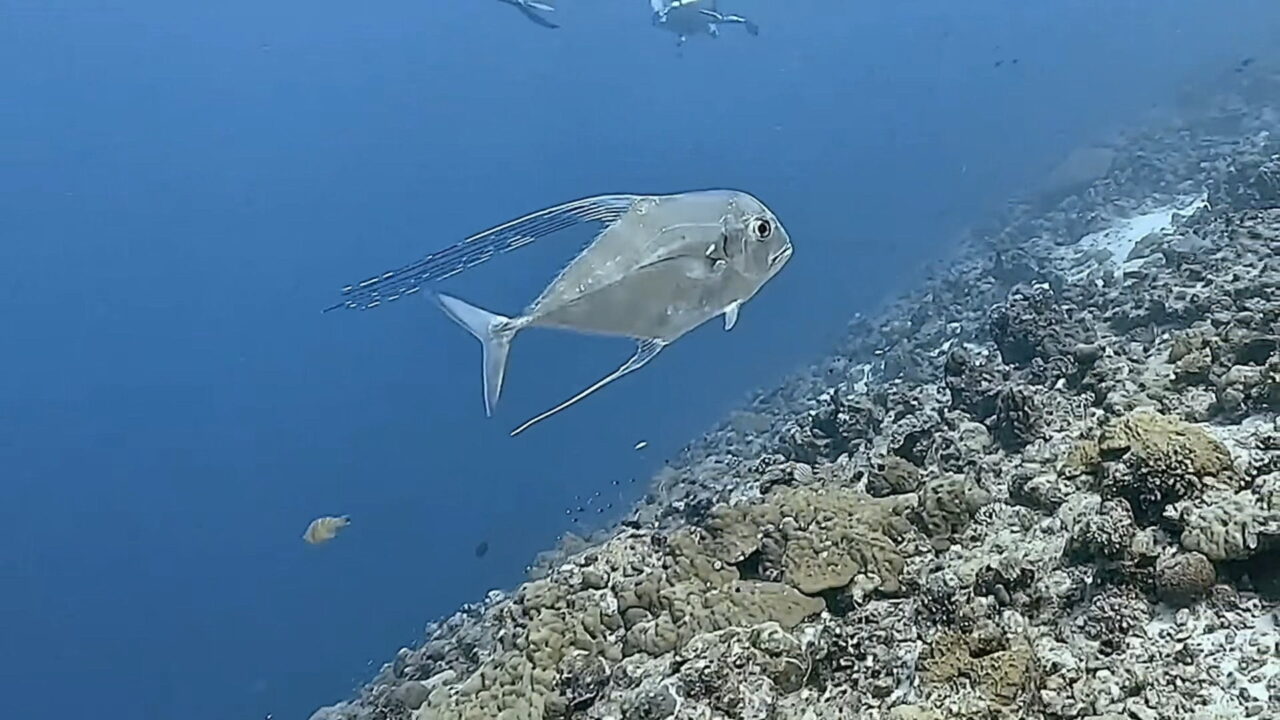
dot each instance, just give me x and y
(1046, 485)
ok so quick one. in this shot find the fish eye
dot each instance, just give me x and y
(762, 228)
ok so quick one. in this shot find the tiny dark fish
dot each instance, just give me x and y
(482, 549)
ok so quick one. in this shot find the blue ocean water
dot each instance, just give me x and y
(183, 186)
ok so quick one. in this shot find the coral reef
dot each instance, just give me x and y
(1044, 485)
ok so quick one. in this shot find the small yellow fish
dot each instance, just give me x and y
(324, 529)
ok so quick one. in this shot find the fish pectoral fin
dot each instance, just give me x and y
(731, 315)
(698, 267)
(645, 351)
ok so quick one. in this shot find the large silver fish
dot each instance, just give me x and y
(660, 266)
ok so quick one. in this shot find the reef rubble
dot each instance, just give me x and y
(1044, 485)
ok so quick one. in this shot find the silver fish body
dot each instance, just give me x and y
(664, 268)
(661, 266)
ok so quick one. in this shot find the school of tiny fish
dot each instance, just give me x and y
(660, 266)
(323, 529)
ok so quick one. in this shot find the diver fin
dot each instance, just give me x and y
(494, 333)
(731, 315)
(536, 18)
(752, 28)
(479, 248)
(645, 351)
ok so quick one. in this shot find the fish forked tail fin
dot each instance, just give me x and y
(494, 333)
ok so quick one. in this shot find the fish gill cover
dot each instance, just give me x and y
(1009, 450)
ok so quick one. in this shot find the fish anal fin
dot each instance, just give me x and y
(646, 350)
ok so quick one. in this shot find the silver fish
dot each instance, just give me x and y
(694, 17)
(660, 266)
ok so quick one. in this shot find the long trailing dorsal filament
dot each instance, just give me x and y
(479, 248)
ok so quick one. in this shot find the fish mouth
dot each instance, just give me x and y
(776, 259)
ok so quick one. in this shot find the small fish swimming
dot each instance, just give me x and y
(529, 9)
(692, 17)
(660, 266)
(642, 445)
(324, 529)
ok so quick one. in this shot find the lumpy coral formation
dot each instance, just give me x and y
(1046, 485)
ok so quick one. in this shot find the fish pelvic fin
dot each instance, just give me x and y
(645, 351)
(494, 333)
